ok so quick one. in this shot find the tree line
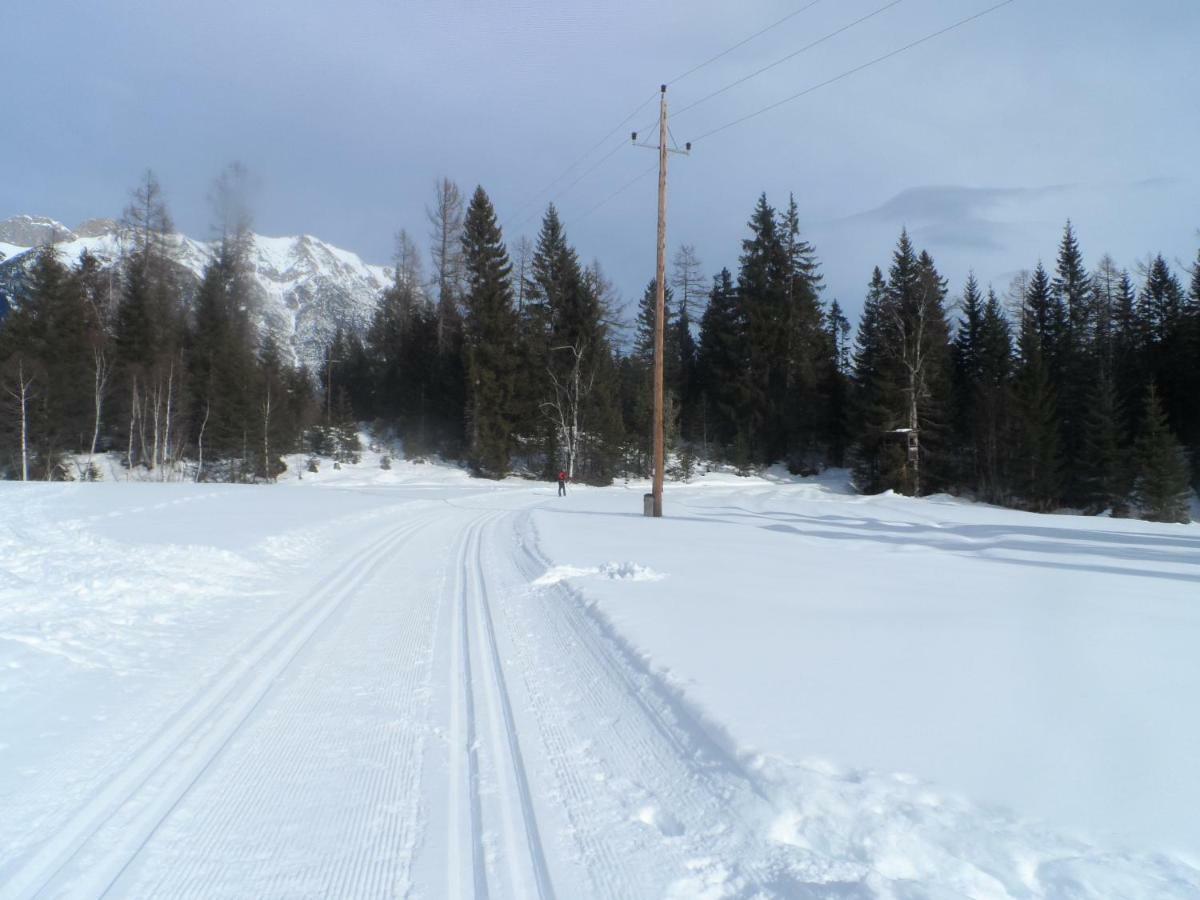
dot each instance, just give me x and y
(1077, 389)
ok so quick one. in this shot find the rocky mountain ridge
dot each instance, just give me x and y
(306, 288)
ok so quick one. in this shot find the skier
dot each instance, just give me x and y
(562, 484)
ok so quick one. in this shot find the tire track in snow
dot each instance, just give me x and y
(135, 802)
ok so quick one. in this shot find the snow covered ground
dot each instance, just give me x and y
(409, 683)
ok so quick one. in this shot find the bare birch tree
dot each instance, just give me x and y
(571, 389)
(20, 385)
(912, 351)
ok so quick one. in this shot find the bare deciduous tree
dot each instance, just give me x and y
(565, 408)
(446, 223)
(20, 383)
(687, 277)
(910, 348)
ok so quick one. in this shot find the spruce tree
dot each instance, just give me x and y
(222, 366)
(763, 292)
(838, 386)
(1190, 425)
(723, 357)
(1161, 489)
(967, 353)
(1103, 464)
(993, 403)
(641, 421)
(1036, 472)
(810, 363)
(1163, 310)
(491, 340)
(878, 461)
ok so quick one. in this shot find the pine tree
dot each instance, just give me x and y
(222, 367)
(722, 362)
(838, 385)
(641, 409)
(878, 463)
(1161, 489)
(26, 367)
(685, 381)
(491, 340)
(810, 354)
(1035, 457)
(1103, 465)
(967, 355)
(571, 377)
(993, 403)
(1189, 427)
(1163, 310)
(903, 371)
(277, 426)
(1130, 370)
(763, 292)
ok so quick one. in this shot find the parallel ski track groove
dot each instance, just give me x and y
(497, 688)
(376, 864)
(682, 770)
(220, 708)
(464, 766)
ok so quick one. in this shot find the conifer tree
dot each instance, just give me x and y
(1103, 464)
(967, 355)
(903, 376)
(222, 366)
(723, 358)
(1163, 310)
(1161, 489)
(569, 365)
(763, 292)
(837, 387)
(878, 462)
(1035, 458)
(992, 403)
(685, 381)
(491, 340)
(810, 363)
(1190, 426)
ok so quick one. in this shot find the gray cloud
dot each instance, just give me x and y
(349, 109)
(954, 216)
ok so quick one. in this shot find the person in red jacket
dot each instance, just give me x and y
(562, 484)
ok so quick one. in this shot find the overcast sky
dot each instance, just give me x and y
(983, 141)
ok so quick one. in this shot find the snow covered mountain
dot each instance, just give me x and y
(306, 287)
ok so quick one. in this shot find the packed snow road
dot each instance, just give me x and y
(382, 686)
(419, 721)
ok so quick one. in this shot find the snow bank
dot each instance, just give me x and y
(1046, 664)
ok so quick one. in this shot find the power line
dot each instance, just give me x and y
(592, 149)
(743, 42)
(790, 56)
(853, 71)
(617, 192)
(643, 105)
(592, 168)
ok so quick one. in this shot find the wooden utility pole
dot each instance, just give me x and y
(660, 301)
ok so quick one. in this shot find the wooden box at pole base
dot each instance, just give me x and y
(648, 505)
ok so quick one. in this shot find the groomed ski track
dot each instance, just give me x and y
(424, 721)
